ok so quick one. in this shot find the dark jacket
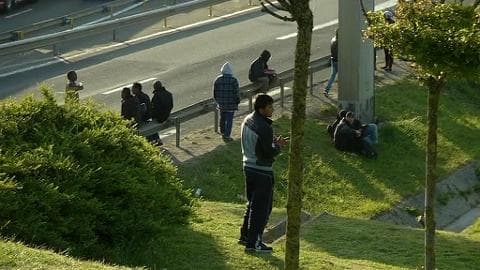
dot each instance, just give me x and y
(130, 109)
(257, 69)
(145, 106)
(162, 104)
(345, 138)
(257, 142)
(334, 49)
(226, 93)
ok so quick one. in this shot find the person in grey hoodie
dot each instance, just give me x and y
(227, 96)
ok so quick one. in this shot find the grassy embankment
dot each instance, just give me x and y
(347, 186)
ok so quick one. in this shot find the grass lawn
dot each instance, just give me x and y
(349, 187)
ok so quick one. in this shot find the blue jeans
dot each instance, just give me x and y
(226, 120)
(371, 135)
(334, 70)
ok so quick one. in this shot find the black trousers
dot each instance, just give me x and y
(259, 189)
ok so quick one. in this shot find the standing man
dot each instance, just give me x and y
(72, 88)
(259, 147)
(388, 15)
(260, 73)
(162, 105)
(227, 97)
(143, 101)
(333, 62)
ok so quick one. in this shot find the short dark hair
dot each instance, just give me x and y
(137, 85)
(72, 75)
(349, 115)
(262, 101)
(342, 113)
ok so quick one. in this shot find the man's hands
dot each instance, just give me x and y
(280, 141)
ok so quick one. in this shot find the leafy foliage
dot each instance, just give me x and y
(75, 178)
(439, 38)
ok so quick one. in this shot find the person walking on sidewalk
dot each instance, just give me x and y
(333, 62)
(259, 148)
(388, 15)
(227, 96)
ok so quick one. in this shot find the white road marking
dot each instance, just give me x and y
(121, 87)
(18, 13)
(114, 14)
(381, 6)
(71, 58)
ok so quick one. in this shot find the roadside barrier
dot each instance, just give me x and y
(208, 105)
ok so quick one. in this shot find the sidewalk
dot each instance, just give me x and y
(199, 142)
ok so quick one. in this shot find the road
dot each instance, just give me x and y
(186, 61)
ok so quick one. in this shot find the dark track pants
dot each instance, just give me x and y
(259, 189)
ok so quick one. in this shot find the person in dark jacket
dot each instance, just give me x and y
(331, 128)
(260, 73)
(162, 102)
(72, 88)
(333, 62)
(227, 96)
(388, 15)
(144, 101)
(130, 105)
(345, 136)
(162, 105)
(349, 139)
(259, 148)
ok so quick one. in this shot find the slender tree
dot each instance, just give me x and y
(300, 12)
(443, 41)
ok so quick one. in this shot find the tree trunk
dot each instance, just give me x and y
(434, 87)
(304, 18)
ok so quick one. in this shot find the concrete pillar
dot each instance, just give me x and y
(355, 63)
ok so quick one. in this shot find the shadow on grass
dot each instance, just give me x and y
(349, 238)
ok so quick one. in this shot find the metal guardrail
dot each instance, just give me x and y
(102, 27)
(208, 105)
(66, 20)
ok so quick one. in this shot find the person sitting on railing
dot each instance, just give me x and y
(261, 74)
(162, 105)
(144, 101)
(130, 106)
(72, 88)
(227, 96)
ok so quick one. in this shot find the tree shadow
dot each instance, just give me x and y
(349, 238)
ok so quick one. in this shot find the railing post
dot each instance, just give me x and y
(311, 82)
(177, 132)
(216, 119)
(55, 50)
(282, 93)
(165, 22)
(114, 35)
(250, 102)
(210, 11)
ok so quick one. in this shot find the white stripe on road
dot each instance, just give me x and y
(381, 6)
(71, 58)
(18, 13)
(127, 85)
(114, 14)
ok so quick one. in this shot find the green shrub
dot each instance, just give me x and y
(76, 178)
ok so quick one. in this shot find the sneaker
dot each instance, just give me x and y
(325, 92)
(243, 240)
(258, 247)
(227, 139)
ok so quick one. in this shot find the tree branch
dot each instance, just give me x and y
(283, 7)
(283, 18)
(476, 4)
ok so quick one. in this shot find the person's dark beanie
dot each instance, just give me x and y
(157, 85)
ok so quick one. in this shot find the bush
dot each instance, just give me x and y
(73, 177)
